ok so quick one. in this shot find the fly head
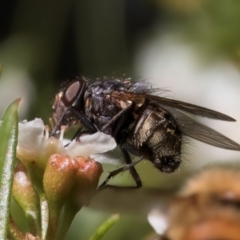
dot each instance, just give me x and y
(67, 99)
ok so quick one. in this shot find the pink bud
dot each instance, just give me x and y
(88, 176)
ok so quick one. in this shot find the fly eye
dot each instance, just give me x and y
(71, 93)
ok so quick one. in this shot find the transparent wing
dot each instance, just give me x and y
(198, 131)
(186, 107)
(190, 108)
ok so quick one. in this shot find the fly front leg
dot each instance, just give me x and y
(120, 117)
(91, 128)
(84, 120)
(80, 133)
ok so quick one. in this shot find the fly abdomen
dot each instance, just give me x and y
(158, 136)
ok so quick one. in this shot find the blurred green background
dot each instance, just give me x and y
(190, 48)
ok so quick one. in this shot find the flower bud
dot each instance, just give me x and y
(58, 180)
(87, 177)
(25, 195)
(59, 177)
(87, 180)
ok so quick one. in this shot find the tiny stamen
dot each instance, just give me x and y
(51, 121)
(63, 129)
(46, 129)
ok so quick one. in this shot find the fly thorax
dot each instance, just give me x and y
(100, 107)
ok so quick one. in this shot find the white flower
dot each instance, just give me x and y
(158, 220)
(33, 144)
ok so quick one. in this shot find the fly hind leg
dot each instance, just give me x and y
(129, 166)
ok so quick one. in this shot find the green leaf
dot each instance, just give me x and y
(101, 231)
(8, 136)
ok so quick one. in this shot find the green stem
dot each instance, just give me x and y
(69, 212)
(54, 213)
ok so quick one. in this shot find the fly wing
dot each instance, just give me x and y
(139, 98)
(198, 131)
(190, 108)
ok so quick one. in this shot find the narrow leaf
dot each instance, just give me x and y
(101, 231)
(8, 136)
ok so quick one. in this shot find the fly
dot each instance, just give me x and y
(142, 123)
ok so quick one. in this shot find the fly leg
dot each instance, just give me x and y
(81, 132)
(125, 148)
(129, 167)
(78, 134)
(132, 169)
(119, 134)
(91, 128)
(119, 116)
(84, 120)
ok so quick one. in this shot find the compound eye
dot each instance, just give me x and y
(71, 93)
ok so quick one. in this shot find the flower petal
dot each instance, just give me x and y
(158, 221)
(30, 135)
(91, 144)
